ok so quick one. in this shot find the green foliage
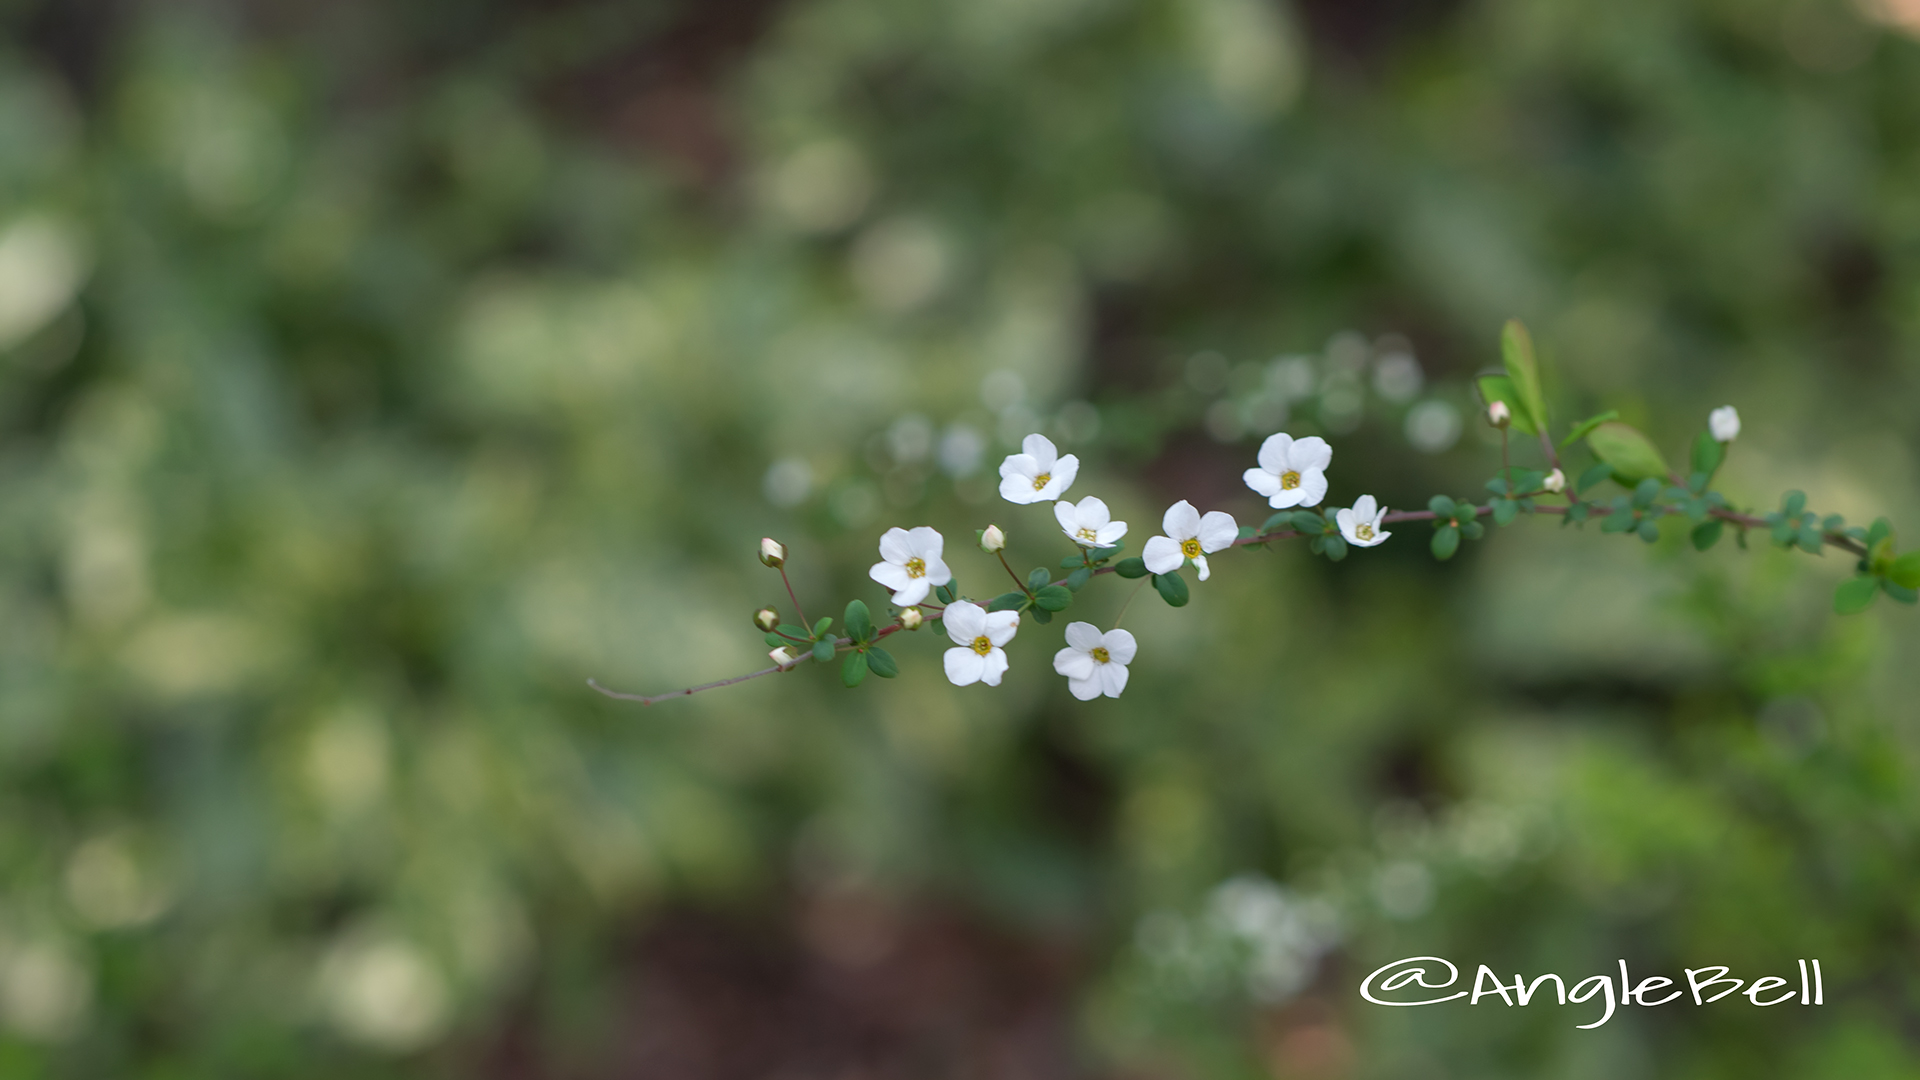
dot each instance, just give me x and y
(1708, 453)
(1446, 541)
(1038, 577)
(1053, 598)
(858, 622)
(1133, 567)
(823, 651)
(1009, 601)
(1630, 454)
(853, 670)
(1854, 594)
(1516, 352)
(881, 662)
(1501, 388)
(1172, 588)
(1585, 427)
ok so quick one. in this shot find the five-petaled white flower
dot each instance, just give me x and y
(1189, 536)
(1038, 473)
(1292, 473)
(1089, 524)
(1094, 663)
(1724, 422)
(1361, 525)
(980, 634)
(912, 566)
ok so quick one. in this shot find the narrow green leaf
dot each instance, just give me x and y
(820, 628)
(793, 631)
(1854, 594)
(1707, 533)
(1592, 476)
(776, 640)
(1134, 567)
(1500, 388)
(1172, 588)
(881, 662)
(1899, 592)
(1053, 597)
(1708, 453)
(1516, 351)
(1581, 429)
(1446, 541)
(853, 670)
(1633, 456)
(858, 622)
(1011, 601)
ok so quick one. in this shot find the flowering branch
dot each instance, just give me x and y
(1291, 474)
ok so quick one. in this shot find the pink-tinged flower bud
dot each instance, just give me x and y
(773, 552)
(992, 539)
(1555, 482)
(910, 618)
(1499, 415)
(784, 657)
(766, 619)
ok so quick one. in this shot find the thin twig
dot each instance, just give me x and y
(797, 610)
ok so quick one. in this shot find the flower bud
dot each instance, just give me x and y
(1724, 423)
(766, 619)
(1555, 482)
(773, 552)
(910, 618)
(1499, 415)
(992, 539)
(784, 657)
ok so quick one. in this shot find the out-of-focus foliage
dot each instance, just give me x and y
(371, 375)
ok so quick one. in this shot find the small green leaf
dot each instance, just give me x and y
(1276, 522)
(1809, 539)
(1854, 594)
(1516, 351)
(1500, 388)
(1446, 541)
(1041, 615)
(1053, 597)
(1078, 579)
(1882, 529)
(792, 631)
(1504, 511)
(1037, 577)
(949, 592)
(1645, 492)
(1011, 601)
(1134, 567)
(1309, 522)
(1577, 513)
(1441, 505)
(820, 628)
(881, 662)
(1708, 453)
(1899, 592)
(1472, 529)
(1619, 521)
(1707, 533)
(853, 670)
(1172, 588)
(858, 622)
(1633, 456)
(1581, 429)
(1072, 561)
(1905, 570)
(776, 640)
(1247, 532)
(1336, 547)
(823, 651)
(1793, 504)
(1592, 476)
(1649, 530)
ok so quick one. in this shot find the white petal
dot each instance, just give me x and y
(913, 592)
(1085, 689)
(937, 572)
(1218, 531)
(1016, 488)
(1261, 481)
(1343, 517)
(1162, 555)
(1083, 635)
(1311, 454)
(992, 666)
(895, 546)
(1120, 646)
(1200, 564)
(1366, 508)
(1273, 453)
(1020, 465)
(926, 542)
(1063, 512)
(964, 666)
(1113, 679)
(1073, 663)
(965, 620)
(1109, 534)
(1001, 626)
(892, 575)
(1313, 487)
(1093, 513)
(1286, 497)
(1181, 521)
(1064, 471)
(1042, 451)
(1378, 539)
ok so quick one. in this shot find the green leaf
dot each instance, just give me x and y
(1441, 505)
(1010, 601)
(1645, 492)
(820, 628)
(1516, 351)
(1708, 453)
(1504, 511)
(1072, 561)
(853, 670)
(1446, 541)
(793, 631)
(823, 651)
(1500, 388)
(1472, 529)
(1854, 594)
(776, 640)
(1276, 522)
(1309, 522)
(1037, 577)
(1882, 529)
(1336, 547)
(949, 592)
(1649, 530)
(1633, 456)
(1041, 615)
(1707, 533)
(1809, 539)
(859, 624)
(1592, 476)
(1793, 503)
(1078, 579)
(1619, 521)
(1905, 570)
(1581, 429)
(1134, 567)
(1053, 597)
(1172, 588)
(1577, 513)
(881, 662)
(1899, 592)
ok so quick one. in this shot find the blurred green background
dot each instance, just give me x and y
(371, 375)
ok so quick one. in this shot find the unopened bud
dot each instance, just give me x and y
(766, 619)
(773, 552)
(1555, 482)
(784, 657)
(1499, 415)
(1724, 422)
(992, 539)
(910, 618)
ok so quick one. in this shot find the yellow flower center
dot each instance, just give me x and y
(1100, 654)
(1041, 480)
(916, 568)
(1289, 480)
(982, 645)
(1190, 548)
(1363, 530)
(1088, 535)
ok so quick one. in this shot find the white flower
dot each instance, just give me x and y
(910, 618)
(1189, 536)
(992, 539)
(1088, 524)
(773, 552)
(1292, 473)
(1724, 422)
(1499, 415)
(784, 657)
(979, 633)
(1361, 525)
(1094, 663)
(1555, 482)
(1038, 474)
(912, 565)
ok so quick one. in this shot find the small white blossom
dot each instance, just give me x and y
(1292, 473)
(1095, 663)
(1724, 422)
(773, 552)
(992, 539)
(909, 618)
(1555, 482)
(1088, 524)
(1189, 536)
(1361, 525)
(911, 564)
(784, 657)
(1038, 473)
(980, 635)
(1499, 415)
